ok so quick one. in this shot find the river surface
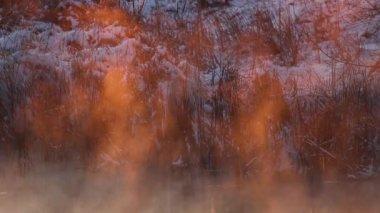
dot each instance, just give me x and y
(73, 190)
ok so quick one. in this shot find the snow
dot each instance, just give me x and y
(179, 162)
(372, 47)
(14, 40)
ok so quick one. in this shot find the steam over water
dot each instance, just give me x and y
(63, 189)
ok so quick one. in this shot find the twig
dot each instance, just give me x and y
(322, 149)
